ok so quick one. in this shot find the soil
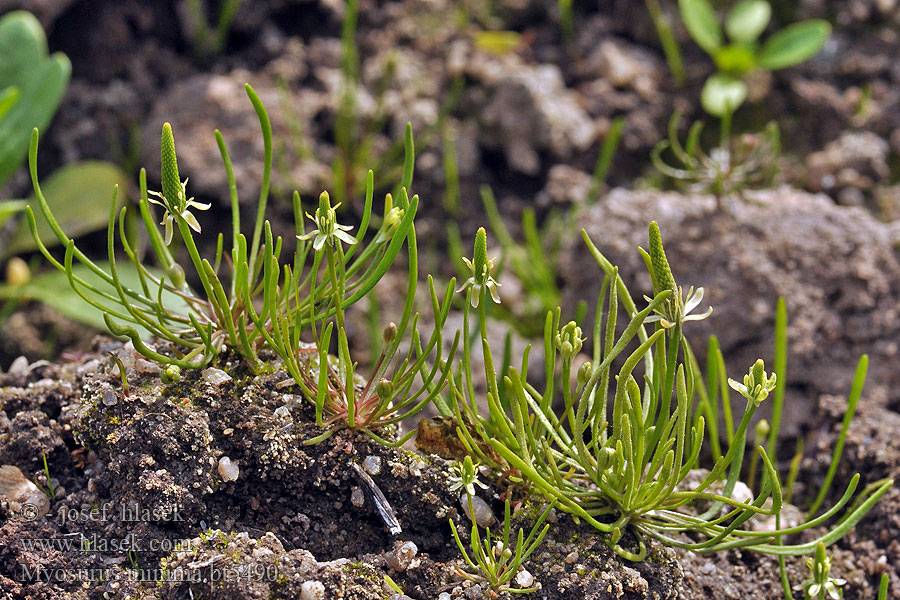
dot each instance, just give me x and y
(529, 123)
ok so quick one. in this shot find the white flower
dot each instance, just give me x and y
(328, 227)
(180, 207)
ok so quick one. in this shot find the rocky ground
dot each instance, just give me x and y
(530, 123)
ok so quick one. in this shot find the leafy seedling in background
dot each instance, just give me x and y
(31, 87)
(726, 90)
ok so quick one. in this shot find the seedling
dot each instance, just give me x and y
(494, 559)
(726, 90)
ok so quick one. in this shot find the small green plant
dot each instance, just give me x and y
(210, 41)
(48, 491)
(726, 90)
(736, 164)
(494, 559)
(263, 304)
(821, 585)
(464, 475)
(624, 470)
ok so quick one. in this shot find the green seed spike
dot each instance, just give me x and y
(758, 372)
(479, 255)
(324, 203)
(171, 183)
(661, 273)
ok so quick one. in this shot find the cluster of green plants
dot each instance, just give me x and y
(613, 441)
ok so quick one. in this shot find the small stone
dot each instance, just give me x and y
(20, 365)
(24, 497)
(282, 412)
(401, 556)
(228, 469)
(742, 493)
(312, 590)
(110, 398)
(444, 596)
(215, 376)
(372, 465)
(357, 498)
(524, 579)
(571, 558)
(484, 516)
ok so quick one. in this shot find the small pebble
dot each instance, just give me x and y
(312, 590)
(282, 412)
(20, 365)
(357, 498)
(571, 558)
(372, 465)
(742, 493)
(400, 557)
(228, 469)
(110, 398)
(484, 516)
(215, 376)
(524, 579)
(444, 596)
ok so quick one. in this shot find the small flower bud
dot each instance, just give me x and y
(170, 374)
(392, 221)
(390, 333)
(584, 373)
(606, 458)
(176, 275)
(17, 271)
(761, 430)
(569, 340)
(384, 389)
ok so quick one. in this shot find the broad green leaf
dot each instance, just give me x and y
(79, 196)
(747, 20)
(794, 44)
(40, 80)
(735, 60)
(53, 289)
(8, 208)
(8, 98)
(721, 93)
(700, 20)
(498, 42)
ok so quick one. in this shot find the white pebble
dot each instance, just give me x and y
(372, 465)
(357, 498)
(110, 398)
(524, 579)
(228, 469)
(401, 556)
(742, 492)
(20, 365)
(484, 516)
(215, 376)
(444, 596)
(312, 590)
